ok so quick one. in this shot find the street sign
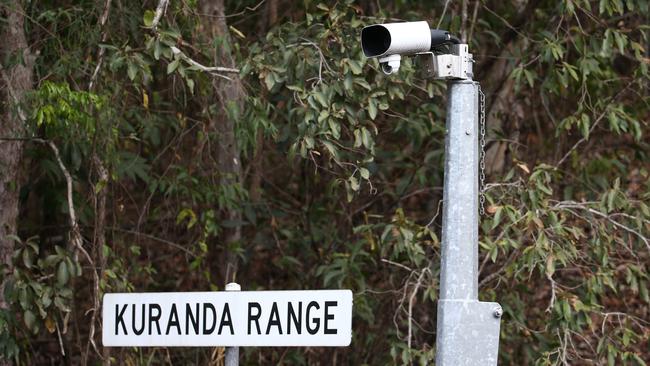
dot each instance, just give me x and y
(237, 318)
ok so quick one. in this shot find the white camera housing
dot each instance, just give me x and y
(392, 40)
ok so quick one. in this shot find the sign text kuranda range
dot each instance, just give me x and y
(243, 318)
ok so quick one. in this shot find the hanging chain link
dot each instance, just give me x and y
(481, 187)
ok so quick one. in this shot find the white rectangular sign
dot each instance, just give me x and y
(233, 318)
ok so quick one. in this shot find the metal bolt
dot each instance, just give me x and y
(497, 312)
(467, 132)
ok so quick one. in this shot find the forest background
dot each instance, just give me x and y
(177, 145)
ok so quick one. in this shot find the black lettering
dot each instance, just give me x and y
(226, 313)
(274, 319)
(256, 317)
(329, 316)
(297, 321)
(133, 312)
(190, 317)
(207, 305)
(173, 320)
(312, 304)
(154, 318)
(119, 318)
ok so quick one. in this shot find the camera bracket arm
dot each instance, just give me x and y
(457, 65)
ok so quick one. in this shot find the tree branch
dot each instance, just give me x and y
(102, 50)
(209, 69)
(161, 9)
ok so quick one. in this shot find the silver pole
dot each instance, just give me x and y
(232, 353)
(467, 330)
(459, 265)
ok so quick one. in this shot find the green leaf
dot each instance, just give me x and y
(621, 42)
(27, 258)
(156, 50)
(366, 138)
(571, 69)
(497, 217)
(372, 108)
(611, 356)
(147, 18)
(355, 67)
(320, 97)
(566, 310)
(584, 126)
(110, 274)
(62, 274)
(357, 138)
(323, 115)
(365, 174)
(132, 70)
(331, 148)
(638, 359)
(270, 80)
(335, 128)
(354, 183)
(347, 82)
(30, 319)
(530, 77)
(172, 66)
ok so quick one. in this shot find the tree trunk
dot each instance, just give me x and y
(230, 95)
(15, 82)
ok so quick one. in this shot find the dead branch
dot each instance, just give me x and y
(411, 301)
(100, 56)
(161, 9)
(213, 70)
(595, 124)
(582, 206)
(75, 233)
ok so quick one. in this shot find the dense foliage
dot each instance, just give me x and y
(341, 174)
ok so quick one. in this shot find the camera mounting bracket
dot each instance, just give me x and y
(456, 65)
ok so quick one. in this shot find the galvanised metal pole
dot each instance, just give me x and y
(467, 330)
(232, 353)
(459, 263)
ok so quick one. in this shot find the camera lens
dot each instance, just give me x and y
(386, 68)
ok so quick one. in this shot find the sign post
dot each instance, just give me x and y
(232, 353)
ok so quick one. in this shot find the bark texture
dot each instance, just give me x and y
(15, 82)
(230, 95)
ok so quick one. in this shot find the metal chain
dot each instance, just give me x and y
(481, 187)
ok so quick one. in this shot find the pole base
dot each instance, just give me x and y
(468, 333)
